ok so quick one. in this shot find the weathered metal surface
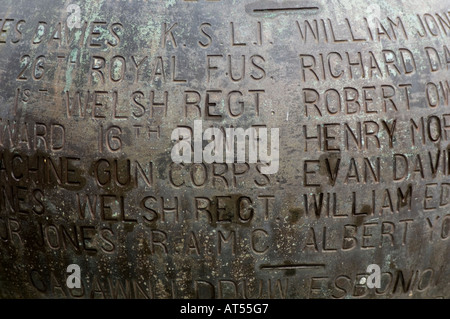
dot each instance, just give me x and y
(92, 91)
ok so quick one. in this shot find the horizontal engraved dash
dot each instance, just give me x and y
(292, 266)
(284, 9)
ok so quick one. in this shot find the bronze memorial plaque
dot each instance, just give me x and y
(224, 149)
